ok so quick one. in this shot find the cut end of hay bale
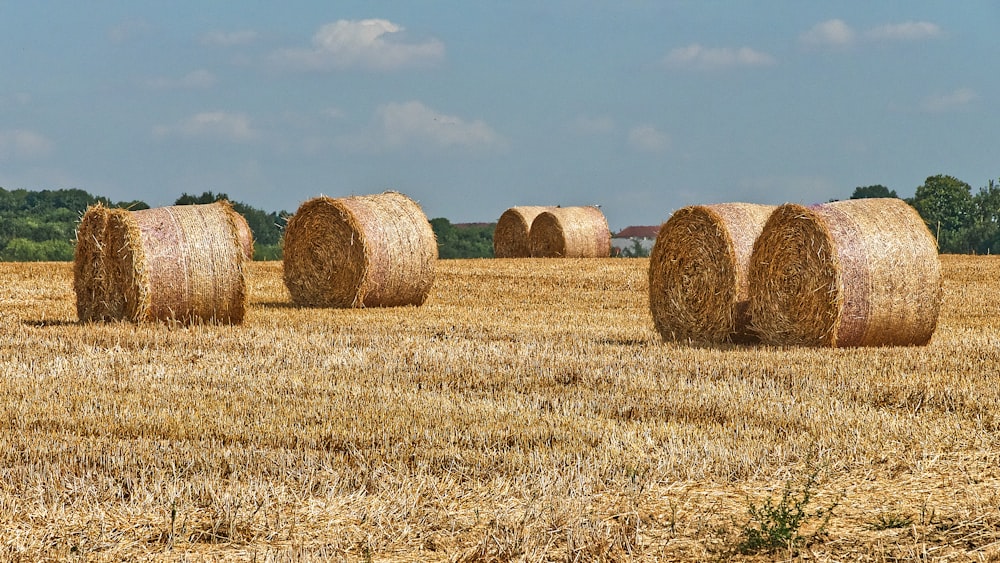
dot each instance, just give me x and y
(698, 289)
(360, 251)
(570, 232)
(851, 273)
(181, 263)
(244, 233)
(511, 235)
(90, 276)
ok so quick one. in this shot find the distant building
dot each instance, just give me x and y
(624, 241)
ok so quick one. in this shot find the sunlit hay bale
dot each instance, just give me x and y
(510, 237)
(570, 232)
(245, 235)
(360, 251)
(698, 290)
(861, 272)
(183, 263)
(90, 281)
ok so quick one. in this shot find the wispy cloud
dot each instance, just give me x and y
(234, 127)
(23, 144)
(412, 124)
(837, 33)
(906, 31)
(830, 33)
(366, 44)
(957, 99)
(229, 38)
(698, 56)
(646, 138)
(193, 80)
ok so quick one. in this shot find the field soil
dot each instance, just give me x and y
(528, 411)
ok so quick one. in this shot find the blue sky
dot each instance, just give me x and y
(470, 108)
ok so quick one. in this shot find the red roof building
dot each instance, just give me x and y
(639, 232)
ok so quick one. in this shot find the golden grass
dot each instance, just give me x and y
(527, 411)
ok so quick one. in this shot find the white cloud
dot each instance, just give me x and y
(217, 125)
(412, 124)
(364, 44)
(696, 55)
(22, 143)
(957, 99)
(229, 38)
(647, 138)
(193, 80)
(906, 31)
(830, 33)
(837, 33)
(593, 125)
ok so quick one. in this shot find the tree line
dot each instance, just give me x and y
(41, 225)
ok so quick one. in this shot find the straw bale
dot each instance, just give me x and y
(511, 236)
(90, 279)
(698, 290)
(359, 251)
(570, 232)
(182, 263)
(861, 272)
(245, 235)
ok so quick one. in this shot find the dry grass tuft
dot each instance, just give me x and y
(182, 263)
(511, 237)
(359, 251)
(698, 289)
(570, 232)
(861, 272)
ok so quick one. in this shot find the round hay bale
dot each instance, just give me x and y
(570, 232)
(360, 251)
(90, 276)
(182, 263)
(511, 235)
(245, 234)
(862, 272)
(698, 290)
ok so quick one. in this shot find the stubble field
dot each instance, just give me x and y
(528, 411)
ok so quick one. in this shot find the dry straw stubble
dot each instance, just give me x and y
(861, 272)
(698, 289)
(511, 237)
(570, 232)
(182, 263)
(359, 251)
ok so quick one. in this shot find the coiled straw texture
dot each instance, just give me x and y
(861, 272)
(359, 251)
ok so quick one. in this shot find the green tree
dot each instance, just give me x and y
(984, 235)
(878, 190)
(463, 241)
(947, 206)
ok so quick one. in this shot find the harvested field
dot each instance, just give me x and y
(527, 411)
